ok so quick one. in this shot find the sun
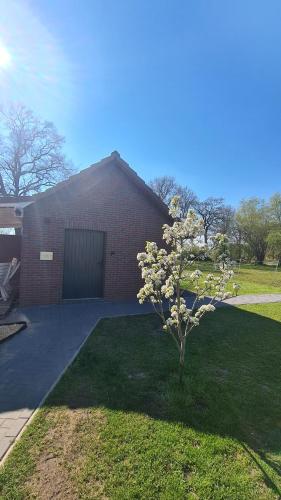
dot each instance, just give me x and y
(5, 57)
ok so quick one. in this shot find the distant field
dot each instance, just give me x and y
(252, 279)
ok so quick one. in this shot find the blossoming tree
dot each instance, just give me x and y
(164, 270)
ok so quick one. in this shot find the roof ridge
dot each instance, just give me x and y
(125, 167)
(72, 178)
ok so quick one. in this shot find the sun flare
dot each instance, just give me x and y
(5, 57)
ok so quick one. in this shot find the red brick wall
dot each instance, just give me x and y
(110, 203)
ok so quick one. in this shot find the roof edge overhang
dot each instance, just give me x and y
(11, 213)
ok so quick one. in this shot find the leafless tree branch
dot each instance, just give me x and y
(31, 156)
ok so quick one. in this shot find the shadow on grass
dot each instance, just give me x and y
(232, 378)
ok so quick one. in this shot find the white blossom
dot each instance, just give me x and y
(163, 271)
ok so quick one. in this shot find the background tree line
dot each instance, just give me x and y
(254, 228)
(32, 159)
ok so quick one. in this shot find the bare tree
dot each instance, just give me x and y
(188, 199)
(31, 157)
(166, 187)
(226, 225)
(211, 212)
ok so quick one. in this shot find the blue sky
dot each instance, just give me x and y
(187, 88)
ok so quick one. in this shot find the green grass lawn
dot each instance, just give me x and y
(252, 279)
(119, 426)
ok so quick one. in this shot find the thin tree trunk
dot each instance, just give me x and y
(260, 256)
(239, 248)
(182, 359)
(206, 236)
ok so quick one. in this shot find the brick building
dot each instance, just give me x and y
(80, 238)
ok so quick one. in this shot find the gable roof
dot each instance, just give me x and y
(113, 159)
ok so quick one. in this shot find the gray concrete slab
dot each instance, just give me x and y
(254, 299)
(32, 361)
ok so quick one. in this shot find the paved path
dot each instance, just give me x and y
(32, 361)
(254, 299)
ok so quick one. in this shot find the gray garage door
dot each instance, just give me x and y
(83, 264)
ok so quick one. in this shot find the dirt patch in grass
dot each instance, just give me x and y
(50, 479)
(61, 456)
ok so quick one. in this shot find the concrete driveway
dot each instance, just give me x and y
(32, 361)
